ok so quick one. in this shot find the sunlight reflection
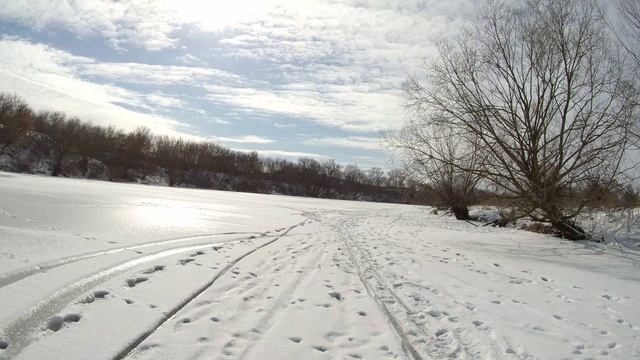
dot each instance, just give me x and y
(176, 214)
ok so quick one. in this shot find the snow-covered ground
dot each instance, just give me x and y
(93, 270)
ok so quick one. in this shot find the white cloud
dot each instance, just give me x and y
(339, 63)
(144, 23)
(343, 108)
(355, 142)
(246, 139)
(284, 126)
(138, 73)
(285, 154)
(219, 121)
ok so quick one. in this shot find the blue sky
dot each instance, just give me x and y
(285, 78)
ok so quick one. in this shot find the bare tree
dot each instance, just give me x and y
(396, 178)
(437, 157)
(375, 177)
(539, 90)
(15, 115)
(624, 22)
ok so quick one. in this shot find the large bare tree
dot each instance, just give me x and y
(538, 89)
(435, 156)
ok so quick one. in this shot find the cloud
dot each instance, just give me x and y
(343, 108)
(138, 73)
(284, 126)
(338, 63)
(355, 142)
(143, 23)
(245, 139)
(284, 154)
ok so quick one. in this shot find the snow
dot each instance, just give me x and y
(100, 270)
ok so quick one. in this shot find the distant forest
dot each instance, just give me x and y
(55, 144)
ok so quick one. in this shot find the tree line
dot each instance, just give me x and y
(66, 146)
(536, 102)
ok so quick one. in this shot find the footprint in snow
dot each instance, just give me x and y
(320, 348)
(295, 339)
(336, 295)
(3, 344)
(154, 269)
(132, 282)
(441, 332)
(362, 313)
(56, 322)
(145, 347)
(100, 294)
(129, 301)
(184, 261)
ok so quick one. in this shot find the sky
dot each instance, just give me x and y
(285, 78)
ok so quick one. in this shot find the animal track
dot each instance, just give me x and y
(295, 339)
(362, 313)
(3, 344)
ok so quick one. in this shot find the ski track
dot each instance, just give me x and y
(407, 346)
(171, 314)
(445, 342)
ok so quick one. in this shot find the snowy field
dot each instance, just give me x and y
(93, 270)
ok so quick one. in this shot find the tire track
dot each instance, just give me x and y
(18, 275)
(18, 332)
(171, 314)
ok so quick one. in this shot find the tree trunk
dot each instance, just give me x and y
(461, 212)
(564, 227)
(569, 230)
